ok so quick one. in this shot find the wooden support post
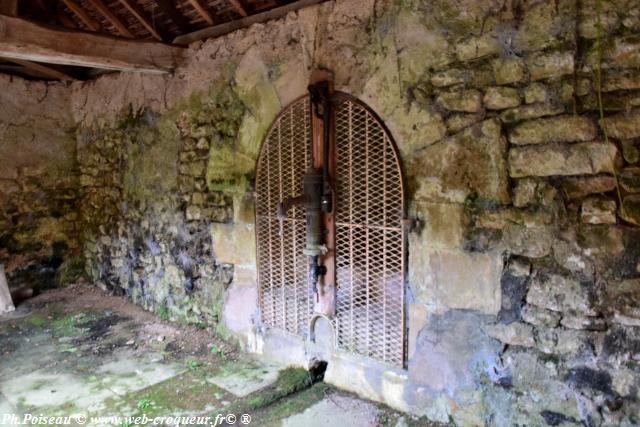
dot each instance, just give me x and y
(326, 303)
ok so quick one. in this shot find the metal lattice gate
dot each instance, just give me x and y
(370, 267)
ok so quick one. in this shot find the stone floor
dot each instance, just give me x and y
(81, 353)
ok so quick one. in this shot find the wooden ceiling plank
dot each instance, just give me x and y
(140, 16)
(25, 40)
(227, 27)
(9, 7)
(239, 7)
(111, 17)
(168, 8)
(82, 15)
(46, 70)
(204, 13)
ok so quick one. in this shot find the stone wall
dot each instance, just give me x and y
(524, 277)
(38, 185)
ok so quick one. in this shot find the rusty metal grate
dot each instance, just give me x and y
(369, 237)
(286, 302)
(369, 233)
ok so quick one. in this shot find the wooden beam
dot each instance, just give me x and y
(82, 14)
(9, 7)
(20, 39)
(227, 27)
(111, 17)
(204, 13)
(49, 71)
(239, 7)
(168, 8)
(140, 16)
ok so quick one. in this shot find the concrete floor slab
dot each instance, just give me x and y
(336, 410)
(243, 380)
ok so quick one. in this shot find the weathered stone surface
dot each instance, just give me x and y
(498, 219)
(457, 122)
(631, 151)
(553, 159)
(623, 301)
(478, 47)
(513, 286)
(546, 65)
(443, 226)
(449, 77)
(447, 347)
(453, 279)
(499, 98)
(598, 210)
(508, 70)
(479, 151)
(540, 316)
(583, 322)
(515, 333)
(631, 209)
(544, 25)
(536, 92)
(560, 293)
(532, 242)
(524, 192)
(553, 129)
(468, 101)
(623, 125)
(531, 111)
(630, 179)
(579, 187)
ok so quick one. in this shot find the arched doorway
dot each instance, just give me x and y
(369, 234)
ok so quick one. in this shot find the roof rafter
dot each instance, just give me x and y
(239, 7)
(82, 15)
(140, 16)
(111, 17)
(204, 13)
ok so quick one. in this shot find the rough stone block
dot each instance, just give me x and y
(579, 187)
(457, 122)
(540, 316)
(598, 210)
(560, 293)
(532, 242)
(508, 70)
(631, 209)
(478, 47)
(623, 125)
(512, 334)
(553, 129)
(472, 161)
(586, 158)
(536, 92)
(499, 98)
(468, 101)
(449, 77)
(546, 65)
(631, 151)
(524, 192)
(531, 111)
(583, 322)
(453, 279)
(630, 179)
